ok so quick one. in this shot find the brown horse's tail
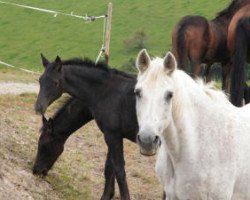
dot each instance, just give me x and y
(239, 56)
(180, 38)
(181, 49)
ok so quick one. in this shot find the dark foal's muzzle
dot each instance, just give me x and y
(148, 143)
(39, 108)
(40, 171)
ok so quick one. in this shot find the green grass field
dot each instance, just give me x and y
(78, 174)
(26, 33)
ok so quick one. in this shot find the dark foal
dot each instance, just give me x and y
(108, 94)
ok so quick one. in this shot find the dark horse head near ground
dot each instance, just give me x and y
(100, 93)
(55, 131)
(197, 40)
(239, 46)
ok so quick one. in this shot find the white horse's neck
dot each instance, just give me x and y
(189, 104)
(180, 138)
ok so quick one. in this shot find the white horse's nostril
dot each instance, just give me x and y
(138, 138)
(156, 139)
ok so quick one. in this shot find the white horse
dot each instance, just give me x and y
(205, 140)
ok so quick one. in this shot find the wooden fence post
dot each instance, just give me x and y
(108, 33)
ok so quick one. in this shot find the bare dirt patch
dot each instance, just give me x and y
(18, 88)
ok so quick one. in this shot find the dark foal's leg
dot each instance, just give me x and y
(109, 173)
(164, 195)
(115, 146)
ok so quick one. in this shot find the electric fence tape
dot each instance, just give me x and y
(55, 13)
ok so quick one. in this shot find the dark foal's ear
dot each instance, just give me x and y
(58, 62)
(50, 125)
(44, 61)
(44, 120)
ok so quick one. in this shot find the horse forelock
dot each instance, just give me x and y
(153, 74)
(156, 76)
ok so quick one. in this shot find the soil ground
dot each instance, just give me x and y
(78, 174)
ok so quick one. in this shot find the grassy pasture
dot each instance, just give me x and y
(26, 33)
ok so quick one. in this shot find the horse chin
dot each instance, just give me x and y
(40, 112)
(40, 109)
(147, 152)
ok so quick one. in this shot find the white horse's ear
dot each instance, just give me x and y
(169, 63)
(142, 61)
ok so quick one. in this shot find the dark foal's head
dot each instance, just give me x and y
(50, 84)
(50, 147)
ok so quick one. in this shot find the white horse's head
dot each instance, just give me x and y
(154, 91)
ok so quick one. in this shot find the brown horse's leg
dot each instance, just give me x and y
(207, 73)
(226, 77)
(246, 94)
(196, 69)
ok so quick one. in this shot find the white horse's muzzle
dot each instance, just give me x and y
(148, 143)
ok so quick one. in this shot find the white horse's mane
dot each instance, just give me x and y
(212, 92)
(209, 89)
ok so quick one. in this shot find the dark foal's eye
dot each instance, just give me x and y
(138, 93)
(168, 96)
(56, 83)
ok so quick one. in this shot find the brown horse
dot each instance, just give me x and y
(201, 41)
(239, 46)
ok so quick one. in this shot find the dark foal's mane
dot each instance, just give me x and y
(101, 66)
(86, 63)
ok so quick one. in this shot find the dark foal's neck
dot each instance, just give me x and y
(81, 82)
(89, 83)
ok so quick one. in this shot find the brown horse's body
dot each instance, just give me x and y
(238, 43)
(201, 41)
(243, 12)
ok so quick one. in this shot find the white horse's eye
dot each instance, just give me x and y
(168, 96)
(137, 93)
